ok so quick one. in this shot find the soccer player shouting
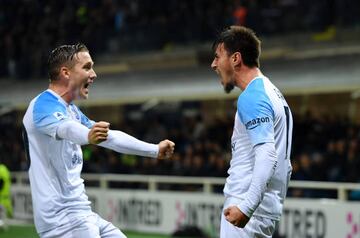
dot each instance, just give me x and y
(260, 166)
(55, 129)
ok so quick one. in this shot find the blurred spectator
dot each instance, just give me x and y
(353, 162)
(239, 13)
(5, 191)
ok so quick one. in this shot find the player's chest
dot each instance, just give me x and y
(73, 113)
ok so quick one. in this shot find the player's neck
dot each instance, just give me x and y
(246, 75)
(61, 90)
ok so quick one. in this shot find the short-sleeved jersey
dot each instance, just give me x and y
(262, 116)
(58, 193)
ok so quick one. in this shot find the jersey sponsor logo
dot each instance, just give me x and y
(252, 124)
(59, 115)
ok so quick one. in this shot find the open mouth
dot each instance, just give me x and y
(86, 85)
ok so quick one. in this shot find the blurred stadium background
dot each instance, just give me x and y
(154, 81)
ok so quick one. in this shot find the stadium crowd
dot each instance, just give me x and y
(28, 30)
(324, 148)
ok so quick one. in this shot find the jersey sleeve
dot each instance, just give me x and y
(256, 113)
(48, 114)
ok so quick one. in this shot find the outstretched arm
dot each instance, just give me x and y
(124, 143)
(112, 139)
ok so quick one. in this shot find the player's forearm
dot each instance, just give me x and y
(73, 131)
(264, 167)
(124, 143)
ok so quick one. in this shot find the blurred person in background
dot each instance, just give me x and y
(260, 167)
(6, 209)
(55, 129)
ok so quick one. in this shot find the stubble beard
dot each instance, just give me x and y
(228, 87)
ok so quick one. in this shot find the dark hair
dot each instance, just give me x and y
(243, 40)
(63, 55)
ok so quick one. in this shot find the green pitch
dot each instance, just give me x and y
(29, 232)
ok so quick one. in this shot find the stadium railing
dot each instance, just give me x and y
(152, 182)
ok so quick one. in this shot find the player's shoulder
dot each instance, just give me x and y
(47, 102)
(254, 94)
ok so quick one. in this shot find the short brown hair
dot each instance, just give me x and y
(63, 55)
(243, 40)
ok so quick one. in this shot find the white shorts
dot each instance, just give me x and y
(93, 226)
(257, 227)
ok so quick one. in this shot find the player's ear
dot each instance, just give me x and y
(236, 59)
(65, 72)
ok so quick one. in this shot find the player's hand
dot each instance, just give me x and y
(98, 132)
(166, 149)
(235, 216)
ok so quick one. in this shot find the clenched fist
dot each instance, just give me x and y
(235, 216)
(166, 149)
(98, 132)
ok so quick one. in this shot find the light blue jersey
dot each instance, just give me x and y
(262, 116)
(58, 193)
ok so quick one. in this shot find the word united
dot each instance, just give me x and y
(256, 122)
